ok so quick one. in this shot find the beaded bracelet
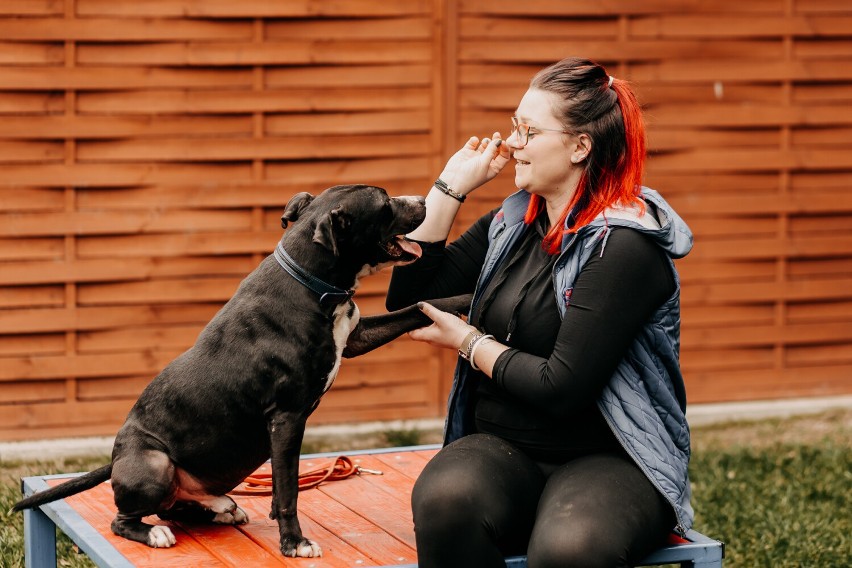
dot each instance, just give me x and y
(446, 189)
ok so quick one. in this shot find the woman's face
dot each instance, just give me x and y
(543, 166)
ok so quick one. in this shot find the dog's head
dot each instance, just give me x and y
(360, 222)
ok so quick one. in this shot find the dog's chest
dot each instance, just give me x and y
(346, 317)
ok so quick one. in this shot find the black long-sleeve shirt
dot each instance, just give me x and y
(543, 392)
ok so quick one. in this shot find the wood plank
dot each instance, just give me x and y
(523, 50)
(97, 508)
(715, 26)
(271, 195)
(32, 296)
(122, 29)
(121, 269)
(576, 8)
(118, 77)
(32, 53)
(29, 392)
(283, 99)
(265, 533)
(53, 175)
(32, 7)
(415, 27)
(280, 148)
(30, 344)
(300, 52)
(252, 8)
(15, 103)
(93, 223)
(111, 127)
(62, 415)
(767, 384)
(767, 335)
(29, 152)
(35, 320)
(816, 289)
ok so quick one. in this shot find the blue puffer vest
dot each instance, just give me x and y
(645, 401)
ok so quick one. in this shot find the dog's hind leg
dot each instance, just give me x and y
(143, 484)
(221, 510)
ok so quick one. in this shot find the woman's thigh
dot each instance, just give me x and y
(474, 503)
(598, 510)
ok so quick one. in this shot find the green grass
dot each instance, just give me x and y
(778, 492)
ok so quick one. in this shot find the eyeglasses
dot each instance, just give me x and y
(523, 131)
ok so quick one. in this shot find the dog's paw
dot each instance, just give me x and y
(161, 537)
(306, 548)
(235, 517)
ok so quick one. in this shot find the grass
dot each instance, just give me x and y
(778, 492)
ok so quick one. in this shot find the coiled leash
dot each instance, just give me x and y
(341, 468)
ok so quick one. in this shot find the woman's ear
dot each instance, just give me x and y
(581, 146)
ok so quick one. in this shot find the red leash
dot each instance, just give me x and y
(341, 468)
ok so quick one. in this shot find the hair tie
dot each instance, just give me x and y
(611, 79)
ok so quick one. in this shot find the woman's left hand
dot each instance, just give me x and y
(448, 330)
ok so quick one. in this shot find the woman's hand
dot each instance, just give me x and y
(476, 163)
(448, 330)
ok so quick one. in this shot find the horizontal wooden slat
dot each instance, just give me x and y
(286, 98)
(35, 320)
(111, 127)
(31, 7)
(577, 8)
(279, 148)
(328, 172)
(251, 8)
(327, 51)
(607, 49)
(718, 26)
(123, 29)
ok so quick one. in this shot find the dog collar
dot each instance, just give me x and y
(327, 293)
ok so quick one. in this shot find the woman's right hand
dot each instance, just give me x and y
(476, 163)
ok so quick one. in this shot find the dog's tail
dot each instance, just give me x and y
(71, 487)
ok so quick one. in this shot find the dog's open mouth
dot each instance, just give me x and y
(401, 249)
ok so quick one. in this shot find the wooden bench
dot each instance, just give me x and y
(361, 521)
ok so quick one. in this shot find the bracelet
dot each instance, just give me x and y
(447, 190)
(467, 344)
(479, 341)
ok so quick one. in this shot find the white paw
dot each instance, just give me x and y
(161, 537)
(309, 550)
(235, 517)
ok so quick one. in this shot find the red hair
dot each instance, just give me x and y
(612, 118)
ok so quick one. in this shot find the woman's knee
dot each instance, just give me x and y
(578, 547)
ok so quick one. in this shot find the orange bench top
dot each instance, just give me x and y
(364, 520)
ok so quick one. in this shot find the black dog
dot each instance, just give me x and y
(243, 392)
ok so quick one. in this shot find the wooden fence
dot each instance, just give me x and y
(147, 149)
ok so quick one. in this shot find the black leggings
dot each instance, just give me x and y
(480, 499)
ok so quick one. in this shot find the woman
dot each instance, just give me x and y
(566, 436)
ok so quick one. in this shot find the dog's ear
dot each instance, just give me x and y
(330, 229)
(295, 206)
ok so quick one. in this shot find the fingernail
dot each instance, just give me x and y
(498, 143)
(420, 305)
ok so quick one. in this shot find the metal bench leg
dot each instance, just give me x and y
(39, 540)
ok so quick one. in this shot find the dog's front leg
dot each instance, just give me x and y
(375, 331)
(286, 430)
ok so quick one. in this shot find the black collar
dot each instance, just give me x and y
(327, 293)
